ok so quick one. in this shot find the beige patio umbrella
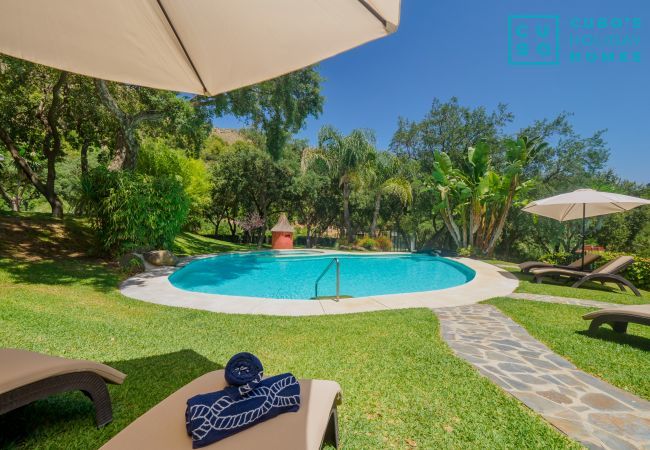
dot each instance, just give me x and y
(195, 46)
(583, 203)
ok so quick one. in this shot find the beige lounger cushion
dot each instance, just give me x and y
(557, 271)
(589, 258)
(21, 367)
(163, 427)
(632, 310)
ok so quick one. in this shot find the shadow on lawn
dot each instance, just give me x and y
(606, 334)
(149, 380)
(62, 272)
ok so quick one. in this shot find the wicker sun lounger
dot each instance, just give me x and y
(27, 376)
(163, 426)
(590, 258)
(608, 272)
(619, 317)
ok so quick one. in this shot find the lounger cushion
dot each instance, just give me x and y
(22, 367)
(557, 271)
(531, 264)
(163, 427)
(632, 310)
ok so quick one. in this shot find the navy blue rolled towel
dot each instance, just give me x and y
(244, 371)
(215, 416)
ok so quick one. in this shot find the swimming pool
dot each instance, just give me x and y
(291, 275)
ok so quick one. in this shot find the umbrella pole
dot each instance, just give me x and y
(584, 206)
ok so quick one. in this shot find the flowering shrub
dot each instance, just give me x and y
(384, 243)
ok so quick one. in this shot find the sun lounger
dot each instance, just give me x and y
(590, 258)
(618, 318)
(163, 427)
(606, 273)
(28, 376)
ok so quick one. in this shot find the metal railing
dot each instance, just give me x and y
(338, 278)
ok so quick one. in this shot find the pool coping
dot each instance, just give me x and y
(154, 286)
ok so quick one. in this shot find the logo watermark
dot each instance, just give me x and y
(548, 40)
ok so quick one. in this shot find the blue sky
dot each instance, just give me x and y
(459, 48)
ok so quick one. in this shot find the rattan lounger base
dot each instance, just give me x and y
(91, 384)
(619, 318)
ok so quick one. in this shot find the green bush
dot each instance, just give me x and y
(134, 212)
(562, 258)
(384, 243)
(367, 242)
(157, 159)
(466, 252)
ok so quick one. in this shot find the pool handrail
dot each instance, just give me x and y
(338, 278)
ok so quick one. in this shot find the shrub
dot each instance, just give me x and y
(384, 243)
(366, 242)
(466, 251)
(157, 159)
(558, 258)
(134, 212)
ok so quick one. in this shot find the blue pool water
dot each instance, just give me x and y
(292, 275)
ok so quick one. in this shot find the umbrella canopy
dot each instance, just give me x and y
(583, 203)
(197, 46)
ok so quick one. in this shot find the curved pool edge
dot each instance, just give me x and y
(154, 287)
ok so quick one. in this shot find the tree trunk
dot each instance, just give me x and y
(51, 197)
(84, 158)
(308, 239)
(375, 214)
(501, 221)
(346, 211)
(12, 202)
(126, 142)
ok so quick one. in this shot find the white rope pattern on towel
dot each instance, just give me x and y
(213, 420)
(246, 388)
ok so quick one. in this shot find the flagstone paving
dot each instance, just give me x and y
(587, 409)
(563, 300)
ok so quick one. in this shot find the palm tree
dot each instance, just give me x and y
(384, 178)
(346, 158)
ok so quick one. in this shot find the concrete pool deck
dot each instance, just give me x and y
(153, 286)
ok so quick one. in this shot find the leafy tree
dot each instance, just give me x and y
(346, 157)
(134, 108)
(278, 107)
(31, 102)
(384, 178)
(474, 199)
(247, 180)
(450, 128)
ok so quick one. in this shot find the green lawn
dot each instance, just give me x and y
(402, 386)
(590, 291)
(619, 359)
(193, 244)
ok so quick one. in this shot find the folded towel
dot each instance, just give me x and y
(215, 416)
(244, 371)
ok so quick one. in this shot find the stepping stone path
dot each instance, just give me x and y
(563, 300)
(594, 413)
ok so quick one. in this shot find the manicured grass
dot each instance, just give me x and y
(194, 244)
(621, 359)
(402, 386)
(590, 291)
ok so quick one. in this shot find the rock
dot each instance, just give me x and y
(161, 258)
(131, 263)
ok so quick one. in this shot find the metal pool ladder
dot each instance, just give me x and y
(338, 278)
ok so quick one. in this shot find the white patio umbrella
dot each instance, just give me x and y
(195, 46)
(583, 203)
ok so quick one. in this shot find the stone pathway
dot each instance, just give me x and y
(562, 300)
(587, 409)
